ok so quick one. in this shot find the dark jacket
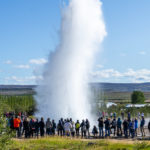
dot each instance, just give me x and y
(26, 125)
(149, 125)
(107, 124)
(125, 125)
(36, 125)
(100, 123)
(12, 123)
(41, 125)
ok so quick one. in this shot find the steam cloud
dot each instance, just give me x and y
(63, 91)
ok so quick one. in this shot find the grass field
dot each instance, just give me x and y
(22, 103)
(57, 143)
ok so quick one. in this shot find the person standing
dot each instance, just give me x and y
(111, 115)
(142, 115)
(136, 126)
(59, 129)
(114, 125)
(37, 128)
(107, 127)
(119, 128)
(139, 116)
(32, 127)
(142, 126)
(21, 126)
(17, 122)
(26, 128)
(133, 128)
(122, 115)
(103, 114)
(149, 127)
(62, 126)
(11, 122)
(87, 127)
(130, 127)
(53, 127)
(114, 115)
(72, 128)
(67, 127)
(48, 126)
(125, 128)
(129, 117)
(83, 129)
(77, 127)
(101, 125)
(41, 126)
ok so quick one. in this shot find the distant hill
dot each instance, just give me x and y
(3, 87)
(17, 89)
(112, 90)
(122, 87)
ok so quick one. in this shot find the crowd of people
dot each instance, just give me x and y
(107, 126)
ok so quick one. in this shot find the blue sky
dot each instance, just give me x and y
(29, 30)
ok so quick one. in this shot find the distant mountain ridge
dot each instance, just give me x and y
(111, 91)
(122, 87)
(17, 89)
(17, 86)
(114, 87)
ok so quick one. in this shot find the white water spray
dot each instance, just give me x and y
(63, 91)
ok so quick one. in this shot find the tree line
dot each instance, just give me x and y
(23, 103)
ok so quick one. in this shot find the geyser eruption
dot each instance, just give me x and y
(63, 92)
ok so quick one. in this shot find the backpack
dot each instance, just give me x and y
(113, 123)
(84, 127)
(77, 125)
(119, 123)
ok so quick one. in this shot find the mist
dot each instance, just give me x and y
(64, 90)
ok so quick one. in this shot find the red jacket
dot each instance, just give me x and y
(17, 122)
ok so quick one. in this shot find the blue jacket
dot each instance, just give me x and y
(136, 124)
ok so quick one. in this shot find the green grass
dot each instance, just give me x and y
(23, 103)
(57, 143)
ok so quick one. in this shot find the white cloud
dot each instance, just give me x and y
(22, 66)
(142, 75)
(8, 62)
(107, 73)
(22, 80)
(100, 66)
(142, 53)
(38, 61)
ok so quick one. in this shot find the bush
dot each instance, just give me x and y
(137, 97)
(5, 133)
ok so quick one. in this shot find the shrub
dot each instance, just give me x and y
(137, 97)
(5, 133)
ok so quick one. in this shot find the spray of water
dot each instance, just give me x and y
(63, 91)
